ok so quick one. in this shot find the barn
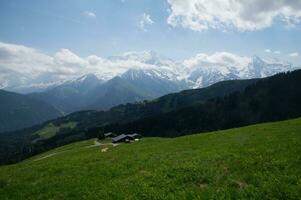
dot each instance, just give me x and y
(122, 138)
(126, 137)
(109, 135)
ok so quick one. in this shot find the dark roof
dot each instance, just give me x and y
(121, 137)
(108, 134)
(126, 136)
(134, 135)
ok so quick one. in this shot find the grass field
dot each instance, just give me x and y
(255, 162)
(50, 130)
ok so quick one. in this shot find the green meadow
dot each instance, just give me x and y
(256, 162)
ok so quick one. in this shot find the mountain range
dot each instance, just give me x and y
(156, 76)
(161, 76)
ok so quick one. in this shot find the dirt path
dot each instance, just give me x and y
(96, 144)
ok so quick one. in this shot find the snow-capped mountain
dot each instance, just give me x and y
(156, 82)
(205, 75)
(152, 76)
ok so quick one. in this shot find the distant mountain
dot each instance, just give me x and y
(115, 92)
(88, 92)
(203, 76)
(198, 71)
(154, 82)
(70, 96)
(20, 111)
(159, 77)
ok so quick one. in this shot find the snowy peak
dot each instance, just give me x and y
(151, 73)
(259, 68)
(257, 61)
(88, 78)
(204, 71)
(134, 74)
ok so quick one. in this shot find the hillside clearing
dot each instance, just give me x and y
(255, 162)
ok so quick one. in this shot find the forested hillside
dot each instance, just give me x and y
(19, 111)
(272, 99)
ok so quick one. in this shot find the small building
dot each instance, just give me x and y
(135, 136)
(122, 138)
(109, 135)
(126, 137)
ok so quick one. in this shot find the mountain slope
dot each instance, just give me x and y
(254, 162)
(88, 92)
(154, 82)
(19, 111)
(271, 99)
(70, 96)
(115, 92)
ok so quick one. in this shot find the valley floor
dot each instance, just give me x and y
(255, 162)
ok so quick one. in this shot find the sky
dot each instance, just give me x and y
(71, 30)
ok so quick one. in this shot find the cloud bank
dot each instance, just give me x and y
(242, 15)
(21, 65)
(25, 66)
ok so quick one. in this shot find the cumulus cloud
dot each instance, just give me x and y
(277, 52)
(89, 14)
(294, 54)
(67, 58)
(218, 59)
(243, 15)
(145, 21)
(21, 65)
(268, 50)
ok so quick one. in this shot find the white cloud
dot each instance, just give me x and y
(277, 52)
(268, 50)
(217, 60)
(25, 66)
(21, 65)
(294, 54)
(67, 58)
(145, 21)
(89, 14)
(243, 15)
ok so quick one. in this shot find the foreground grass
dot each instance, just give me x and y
(255, 162)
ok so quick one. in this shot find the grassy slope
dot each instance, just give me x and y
(261, 162)
(50, 130)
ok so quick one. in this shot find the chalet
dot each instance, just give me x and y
(135, 136)
(126, 138)
(122, 138)
(109, 135)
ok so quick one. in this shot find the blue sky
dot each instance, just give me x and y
(114, 27)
